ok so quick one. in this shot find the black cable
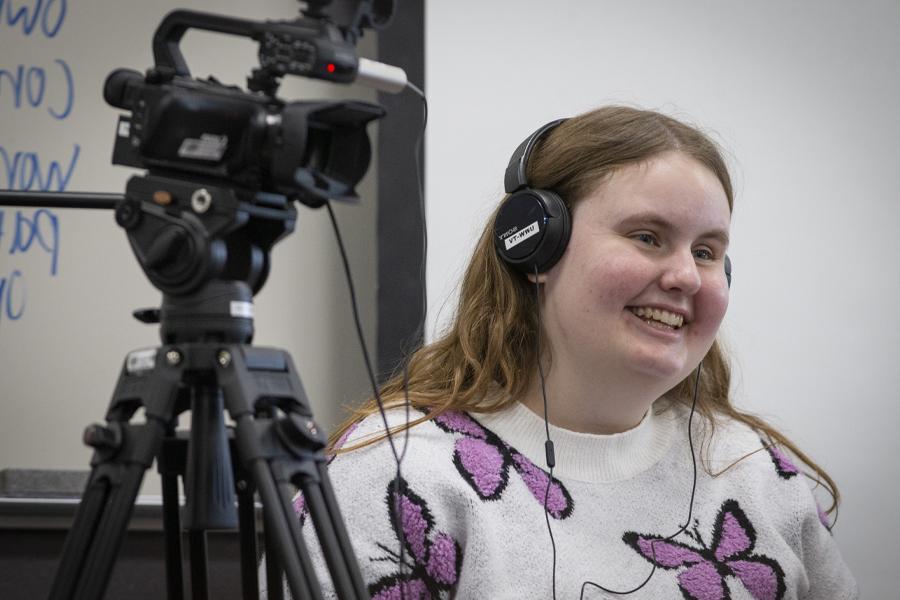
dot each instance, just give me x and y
(690, 504)
(551, 461)
(548, 446)
(419, 333)
(359, 331)
(398, 526)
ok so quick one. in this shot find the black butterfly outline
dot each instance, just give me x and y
(761, 575)
(433, 559)
(478, 440)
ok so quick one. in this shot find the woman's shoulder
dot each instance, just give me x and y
(746, 461)
(418, 440)
(371, 487)
(727, 442)
(787, 497)
(396, 425)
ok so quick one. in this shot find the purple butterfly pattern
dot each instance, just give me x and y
(484, 461)
(432, 559)
(703, 569)
(783, 465)
(786, 470)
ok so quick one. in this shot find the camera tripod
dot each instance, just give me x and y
(208, 260)
(275, 440)
(223, 168)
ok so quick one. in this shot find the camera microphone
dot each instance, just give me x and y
(382, 77)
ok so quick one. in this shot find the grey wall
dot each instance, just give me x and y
(59, 360)
(804, 96)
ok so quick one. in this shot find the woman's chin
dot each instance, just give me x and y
(666, 371)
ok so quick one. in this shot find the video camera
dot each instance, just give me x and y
(187, 128)
(224, 164)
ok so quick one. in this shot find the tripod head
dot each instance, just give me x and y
(206, 248)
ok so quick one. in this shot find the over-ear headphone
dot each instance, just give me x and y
(728, 270)
(532, 226)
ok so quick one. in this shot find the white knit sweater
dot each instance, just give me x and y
(473, 489)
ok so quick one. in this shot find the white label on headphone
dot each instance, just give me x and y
(521, 235)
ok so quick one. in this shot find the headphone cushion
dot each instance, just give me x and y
(532, 229)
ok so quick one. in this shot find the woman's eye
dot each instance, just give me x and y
(704, 254)
(647, 238)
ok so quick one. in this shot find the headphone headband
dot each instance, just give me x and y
(531, 229)
(515, 177)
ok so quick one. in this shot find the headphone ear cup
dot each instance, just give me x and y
(728, 270)
(532, 229)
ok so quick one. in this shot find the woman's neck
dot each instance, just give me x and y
(594, 404)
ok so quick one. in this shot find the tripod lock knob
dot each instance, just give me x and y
(102, 437)
(299, 431)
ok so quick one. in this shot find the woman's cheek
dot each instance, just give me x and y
(712, 303)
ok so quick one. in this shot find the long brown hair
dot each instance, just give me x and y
(486, 358)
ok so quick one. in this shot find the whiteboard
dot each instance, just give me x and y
(68, 280)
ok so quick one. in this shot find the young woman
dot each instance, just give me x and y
(605, 345)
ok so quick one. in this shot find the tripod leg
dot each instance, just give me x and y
(109, 535)
(279, 442)
(334, 557)
(247, 527)
(171, 522)
(123, 452)
(282, 526)
(102, 518)
(79, 538)
(199, 571)
(340, 531)
(274, 571)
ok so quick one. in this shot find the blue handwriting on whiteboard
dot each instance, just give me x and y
(41, 227)
(30, 84)
(8, 293)
(29, 230)
(25, 171)
(49, 14)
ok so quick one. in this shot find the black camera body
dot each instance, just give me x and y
(183, 127)
(309, 151)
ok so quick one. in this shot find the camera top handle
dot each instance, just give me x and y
(305, 46)
(166, 39)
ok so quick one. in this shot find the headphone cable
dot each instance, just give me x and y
(690, 504)
(551, 462)
(418, 334)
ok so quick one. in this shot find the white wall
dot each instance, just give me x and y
(59, 361)
(804, 96)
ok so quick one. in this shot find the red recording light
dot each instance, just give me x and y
(330, 68)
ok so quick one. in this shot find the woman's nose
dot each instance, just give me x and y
(681, 273)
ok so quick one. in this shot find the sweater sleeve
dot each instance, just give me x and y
(827, 573)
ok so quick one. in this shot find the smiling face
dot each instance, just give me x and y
(640, 292)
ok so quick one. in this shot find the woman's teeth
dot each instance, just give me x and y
(656, 314)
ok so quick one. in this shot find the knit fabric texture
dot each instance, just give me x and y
(470, 505)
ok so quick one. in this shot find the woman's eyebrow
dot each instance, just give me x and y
(655, 221)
